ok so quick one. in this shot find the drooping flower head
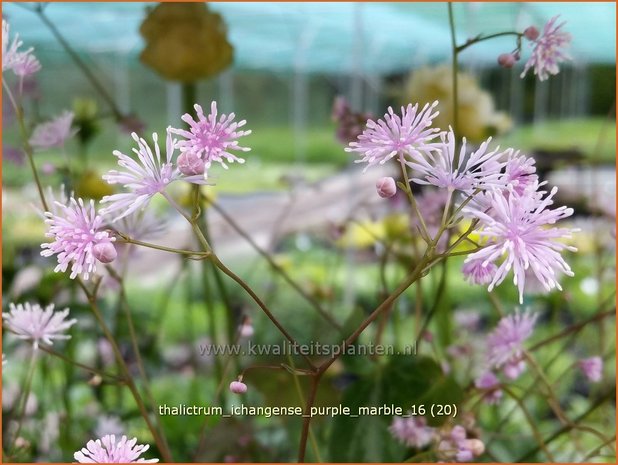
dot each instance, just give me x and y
(411, 431)
(405, 136)
(210, 139)
(548, 51)
(520, 231)
(478, 169)
(26, 65)
(505, 342)
(143, 178)
(53, 133)
(109, 450)
(78, 238)
(31, 322)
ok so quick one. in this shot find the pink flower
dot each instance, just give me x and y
(54, 133)
(108, 450)
(505, 342)
(143, 179)
(402, 136)
(478, 272)
(519, 172)
(592, 368)
(21, 63)
(489, 383)
(386, 187)
(76, 229)
(238, 387)
(25, 65)
(518, 229)
(412, 431)
(210, 139)
(477, 170)
(31, 322)
(547, 52)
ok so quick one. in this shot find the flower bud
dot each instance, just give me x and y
(476, 446)
(238, 387)
(105, 252)
(246, 330)
(190, 164)
(386, 187)
(531, 33)
(506, 60)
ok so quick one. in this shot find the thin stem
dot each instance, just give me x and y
(81, 365)
(26, 395)
(482, 38)
(259, 302)
(161, 444)
(276, 267)
(413, 203)
(190, 253)
(531, 422)
(315, 383)
(455, 66)
(80, 63)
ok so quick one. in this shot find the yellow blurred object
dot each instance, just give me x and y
(397, 226)
(91, 186)
(478, 118)
(184, 195)
(185, 42)
(362, 234)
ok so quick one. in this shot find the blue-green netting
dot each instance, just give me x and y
(337, 37)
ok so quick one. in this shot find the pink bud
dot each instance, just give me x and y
(246, 330)
(531, 33)
(427, 336)
(105, 252)
(506, 60)
(238, 387)
(190, 164)
(475, 446)
(386, 187)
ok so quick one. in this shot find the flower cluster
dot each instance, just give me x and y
(412, 431)
(548, 49)
(500, 187)
(109, 450)
(456, 445)
(22, 62)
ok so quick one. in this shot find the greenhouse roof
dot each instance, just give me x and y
(335, 37)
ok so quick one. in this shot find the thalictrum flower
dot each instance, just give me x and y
(489, 383)
(77, 233)
(478, 272)
(505, 342)
(519, 230)
(592, 368)
(548, 51)
(143, 178)
(412, 431)
(209, 139)
(22, 63)
(404, 136)
(53, 133)
(108, 450)
(31, 322)
(478, 169)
